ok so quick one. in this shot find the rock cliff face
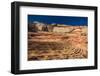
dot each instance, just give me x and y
(37, 26)
(47, 42)
(63, 29)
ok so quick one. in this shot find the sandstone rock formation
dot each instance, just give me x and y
(47, 42)
(63, 29)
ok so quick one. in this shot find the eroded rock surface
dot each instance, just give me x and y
(45, 45)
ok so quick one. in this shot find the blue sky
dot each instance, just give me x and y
(68, 20)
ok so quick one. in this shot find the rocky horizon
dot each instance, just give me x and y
(39, 26)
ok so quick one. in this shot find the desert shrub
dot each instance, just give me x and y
(84, 34)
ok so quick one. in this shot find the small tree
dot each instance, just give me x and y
(45, 28)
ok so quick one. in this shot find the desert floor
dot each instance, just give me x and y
(58, 46)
